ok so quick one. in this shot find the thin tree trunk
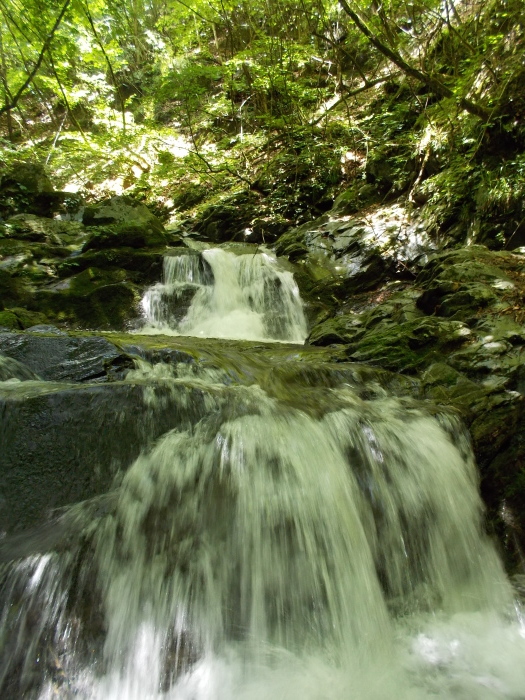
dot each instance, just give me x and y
(108, 62)
(11, 105)
(7, 94)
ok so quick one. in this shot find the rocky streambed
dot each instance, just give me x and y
(444, 322)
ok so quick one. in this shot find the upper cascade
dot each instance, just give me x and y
(219, 294)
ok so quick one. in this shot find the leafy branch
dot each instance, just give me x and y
(47, 43)
(437, 87)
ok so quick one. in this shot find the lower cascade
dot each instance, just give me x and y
(219, 294)
(308, 536)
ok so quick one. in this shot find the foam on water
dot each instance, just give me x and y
(222, 295)
(267, 553)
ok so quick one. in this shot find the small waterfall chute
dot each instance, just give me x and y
(219, 294)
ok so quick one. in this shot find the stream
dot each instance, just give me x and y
(300, 528)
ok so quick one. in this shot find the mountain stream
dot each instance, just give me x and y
(304, 532)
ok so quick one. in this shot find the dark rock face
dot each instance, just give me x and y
(62, 358)
(66, 443)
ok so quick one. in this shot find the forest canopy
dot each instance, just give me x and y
(286, 101)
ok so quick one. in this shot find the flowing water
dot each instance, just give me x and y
(222, 295)
(301, 534)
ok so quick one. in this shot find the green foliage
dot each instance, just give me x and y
(183, 101)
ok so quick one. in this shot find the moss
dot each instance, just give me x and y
(146, 263)
(8, 319)
(132, 235)
(342, 329)
(292, 244)
(92, 299)
(27, 318)
(406, 347)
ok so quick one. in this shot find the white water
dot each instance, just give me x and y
(241, 297)
(267, 553)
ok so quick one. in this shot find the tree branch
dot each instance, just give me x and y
(430, 81)
(352, 93)
(11, 105)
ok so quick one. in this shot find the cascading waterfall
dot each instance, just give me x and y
(267, 550)
(222, 295)
(301, 533)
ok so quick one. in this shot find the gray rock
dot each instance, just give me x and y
(12, 369)
(63, 358)
(62, 443)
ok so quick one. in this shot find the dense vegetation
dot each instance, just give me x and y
(237, 121)
(259, 114)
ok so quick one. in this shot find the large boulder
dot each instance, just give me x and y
(96, 299)
(66, 443)
(26, 187)
(55, 356)
(144, 266)
(120, 221)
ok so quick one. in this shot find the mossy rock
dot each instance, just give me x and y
(292, 244)
(409, 346)
(191, 195)
(462, 283)
(23, 186)
(14, 291)
(128, 235)
(8, 319)
(40, 229)
(267, 229)
(147, 264)
(341, 329)
(26, 318)
(227, 219)
(92, 299)
(10, 246)
(121, 210)
(365, 274)
(474, 263)
(453, 299)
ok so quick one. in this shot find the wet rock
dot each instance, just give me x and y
(12, 369)
(47, 329)
(59, 357)
(62, 444)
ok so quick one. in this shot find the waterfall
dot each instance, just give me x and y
(222, 295)
(272, 546)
